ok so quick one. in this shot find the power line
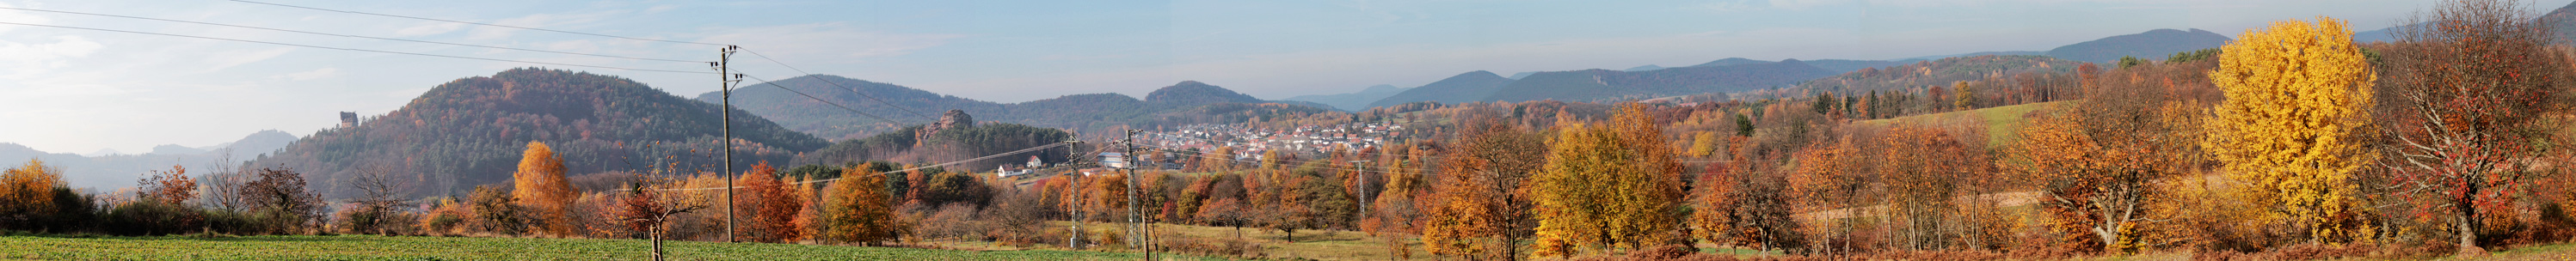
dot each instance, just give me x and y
(784, 87)
(484, 24)
(351, 49)
(343, 35)
(852, 90)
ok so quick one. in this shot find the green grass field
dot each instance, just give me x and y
(2003, 123)
(470, 248)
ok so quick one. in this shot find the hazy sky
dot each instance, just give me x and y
(66, 90)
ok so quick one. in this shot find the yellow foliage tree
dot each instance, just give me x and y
(2297, 99)
(1608, 186)
(540, 185)
(1704, 143)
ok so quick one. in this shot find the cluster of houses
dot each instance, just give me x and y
(1249, 143)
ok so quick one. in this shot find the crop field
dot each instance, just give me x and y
(351, 247)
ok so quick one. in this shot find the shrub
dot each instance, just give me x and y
(279, 196)
(1665, 252)
(955, 221)
(371, 220)
(151, 218)
(73, 211)
(495, 211)
(1224, 246)
(238, 223)
(443, 218)
(27, 198)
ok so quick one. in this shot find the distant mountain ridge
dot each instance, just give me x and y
(108, 172)
(1195, 92)
(1723, 75)
(1354, 101)
(1077, 112)
(1605, 85)
(1464, 87)
(2153, 44)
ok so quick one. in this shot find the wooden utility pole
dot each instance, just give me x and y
(725, 80)
(1145, 231)
(1364, 186)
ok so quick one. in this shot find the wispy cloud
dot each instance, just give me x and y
(27, 59)
(429, 28)
(550, 21)
(325, 72)
(228, 59)
(1735, 6)
(835, 42)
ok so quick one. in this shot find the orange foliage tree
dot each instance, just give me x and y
(1477, 207)
(172, 187)
(773, 206)
(27, 193)
(540, 185)
(858, 209)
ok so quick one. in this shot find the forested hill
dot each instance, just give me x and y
(1183, 103)
(1942, 72)
(471, 131)
(954, 137)
(1608, 85)
(2153, 44)
(796, 112)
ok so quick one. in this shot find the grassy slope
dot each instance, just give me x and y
(466, 248)
(2003, 123)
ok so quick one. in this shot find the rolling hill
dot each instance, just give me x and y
(908, 106)
(2153, 44)
(471, 131)
(1355, 101)
(110, 171)
(1464, 87)
(1943, 71)
(1605, 85)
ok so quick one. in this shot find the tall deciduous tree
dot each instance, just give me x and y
(1477, 207)
(540, 185)
(858, 209)
(772, 204)
(2293, 118)
(2471, 86)
(27, 193)
(1615, 185)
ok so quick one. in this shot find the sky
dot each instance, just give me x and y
(81, 91)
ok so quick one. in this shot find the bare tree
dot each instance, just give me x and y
(644, 212)
(222, 184)
(2472, 81)
(380, 197)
